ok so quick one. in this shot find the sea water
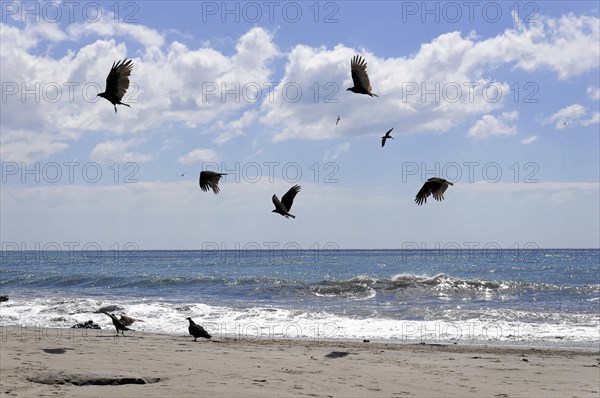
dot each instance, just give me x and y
(532, 297)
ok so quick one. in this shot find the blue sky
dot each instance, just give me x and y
(502, 98)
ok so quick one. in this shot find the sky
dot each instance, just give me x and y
(500, 98)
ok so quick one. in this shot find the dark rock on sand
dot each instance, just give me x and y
(88, 379)
(86, 325)
(3, 298)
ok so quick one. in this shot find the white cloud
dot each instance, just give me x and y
(108, 27)
(117, 151)
(337, 152)
(594, 119)
(199, 155)
(529, 140)
(567, 116)
(593, 92)
(489, 126)
(567, 46)
(168, 84)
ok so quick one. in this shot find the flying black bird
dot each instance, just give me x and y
(434, 186)
(117, 82)
(210, 180)
(118, 324)
(285, 205)
(358, 66)
(386, 136)
(127, 320)
(338, 120)
(182, 174)
(197, 330)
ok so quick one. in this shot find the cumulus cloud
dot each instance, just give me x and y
(567, 116)
(199, 155)
(337, 152)
(443, 84)
(118, 151)
(529, 140)
(489, 126)
(170, 84)
(593, 92)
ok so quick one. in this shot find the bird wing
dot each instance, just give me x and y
(117, 81)
(209, 180)
(278, 205)
(358, 66)
(424, 192)
(438, 192)
(383, 141)
(288, 198)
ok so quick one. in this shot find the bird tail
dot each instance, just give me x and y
(122, 103)
(373, 95)
(291, 215)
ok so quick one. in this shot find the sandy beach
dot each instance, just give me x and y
(227, 367)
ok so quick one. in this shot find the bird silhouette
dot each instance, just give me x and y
(117, 83)
(338, 120)
(434, 186)
(358, 67)
(210, 180)
(285, 205)
(386, 136)
(118, 324)
(197, 330)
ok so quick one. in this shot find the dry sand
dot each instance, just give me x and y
(280, 368)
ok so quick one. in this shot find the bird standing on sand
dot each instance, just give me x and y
(358, 67)
(386, 136)
(117, 83)
(434, 186)
(210, 179)
(197, 330)
(118, 324)
(285, 205)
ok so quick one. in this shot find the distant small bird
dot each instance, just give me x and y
(182, 174)
(118, 324)
(285, 205)
(127, 320)
(210, 180)
(565, 123)
(197, 330)
(117, 83)
(338, 120)
(358, 67)
(434, 186)
(386, 136)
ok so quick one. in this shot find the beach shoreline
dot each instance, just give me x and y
(175, 365)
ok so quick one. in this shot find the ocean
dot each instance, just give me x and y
(534, 297)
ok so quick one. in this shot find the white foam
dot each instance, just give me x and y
(273, 323)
